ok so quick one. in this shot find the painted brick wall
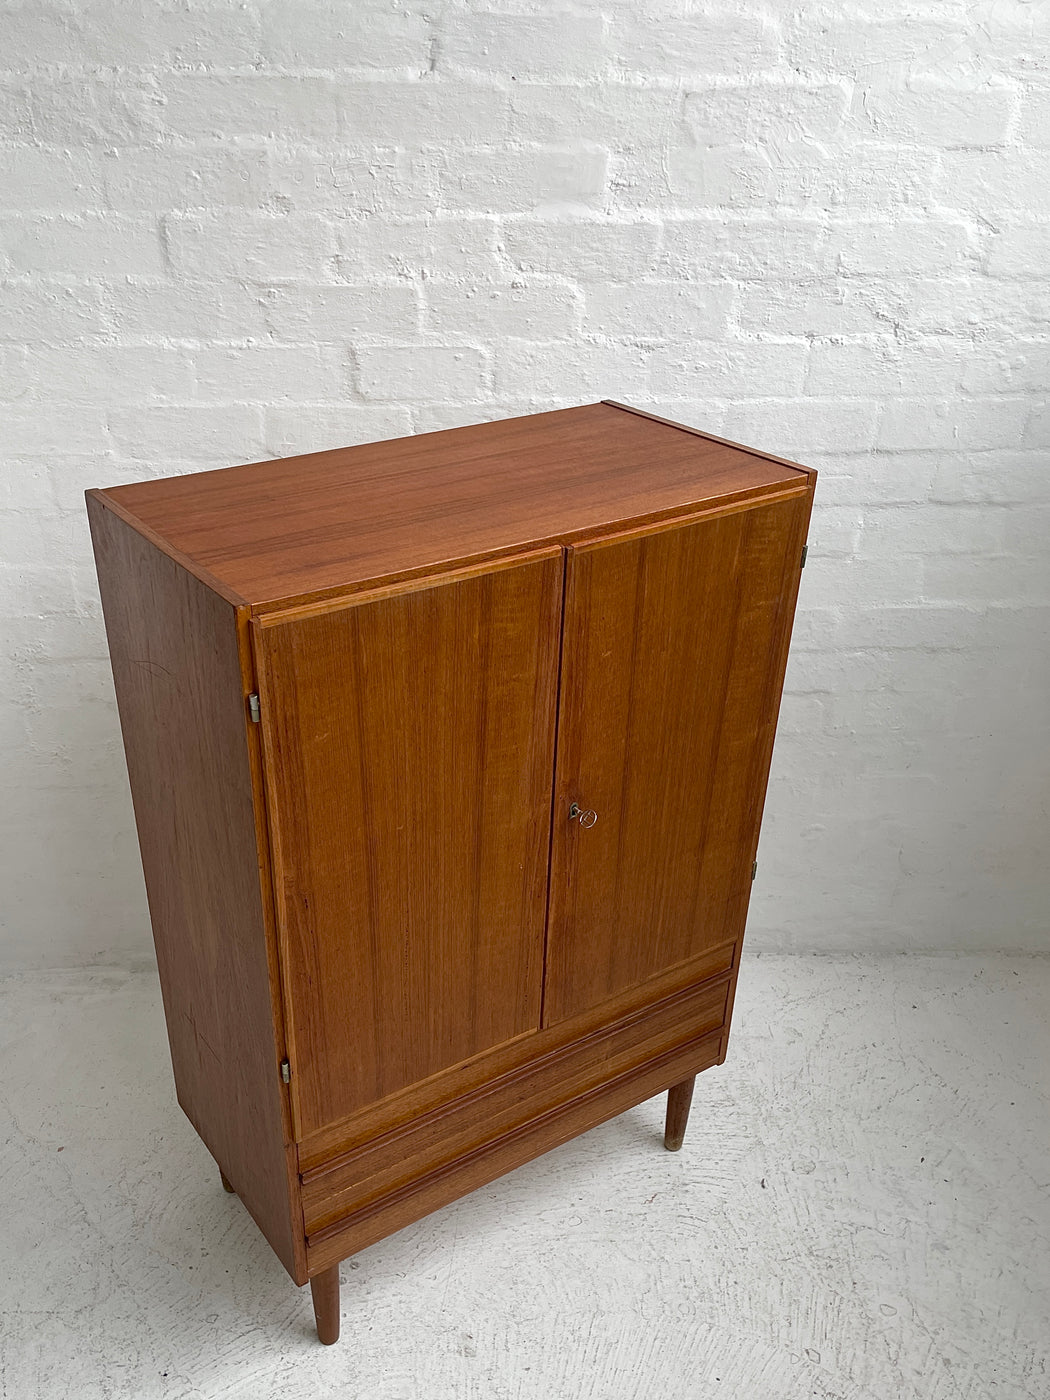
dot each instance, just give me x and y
(238, 231)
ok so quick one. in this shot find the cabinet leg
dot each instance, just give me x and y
(225, 1184)
(678, 1100)
(325, 1290)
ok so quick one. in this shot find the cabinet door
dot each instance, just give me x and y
(674, 647)
(408, 742)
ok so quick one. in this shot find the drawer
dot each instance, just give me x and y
(509, 1106)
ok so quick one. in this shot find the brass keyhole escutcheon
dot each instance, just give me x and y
(586, 816)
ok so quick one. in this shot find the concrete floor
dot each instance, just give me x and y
(861, 1210)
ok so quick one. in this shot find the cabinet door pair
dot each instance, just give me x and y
(425, 745)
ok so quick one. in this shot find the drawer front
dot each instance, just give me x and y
(515, 1106)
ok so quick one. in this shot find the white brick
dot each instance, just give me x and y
(215, 107)
(764, 249)
(1037, 429)
(799, 427)
(194, 432)
(888, 45)
(40, 33)
(534, 178)
(875, 479)
(94, 110)
(931, 529)
(341, 181)
(1008, 179)
(421, 113)
(24, 485)
(333, 35)
(88, 245)
(32, 311)
(16, 110)
(658, 310)
(439, 247)
(250, 245)
(572, 373)
(27, 536)
(188, 309)
(33, 429)
(939, 114)
(421, 372)
(1011, 368)
(770, 110)
(144, 33)
(852, 174)
(1033, 127)
(259, 373)
(818, 309)
(720, 42)
(624, 115)
(34, 179)
(583, 249)
(914, 248)
(110, 374)
(343, 312)
(886, 367)
(729, 371)
(317, 427)
(1011, 578)
(1007, 478)
(552, 45)
(1022, 251)
(162, 178)
(15, 378)
(487, 312)
(965, 424)
(705, 176)
(966, 307)
(944, 627)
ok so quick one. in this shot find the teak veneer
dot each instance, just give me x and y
(448, 758)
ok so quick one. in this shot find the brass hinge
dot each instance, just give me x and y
(253, 708)
(805, 551)
(754, 868)
(286, 1071)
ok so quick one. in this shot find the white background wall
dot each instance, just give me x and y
(237, 231)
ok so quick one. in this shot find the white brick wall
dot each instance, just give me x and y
(235, 231)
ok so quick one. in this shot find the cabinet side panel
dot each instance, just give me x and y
(177, 673)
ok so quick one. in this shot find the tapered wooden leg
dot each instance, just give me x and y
(678, 1100)
(325, 1290)
(225, 1184)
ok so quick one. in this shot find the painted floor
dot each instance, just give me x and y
(861, 1211)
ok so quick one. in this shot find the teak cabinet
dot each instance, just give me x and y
(448, 758)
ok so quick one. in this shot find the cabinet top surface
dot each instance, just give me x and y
(299, 527)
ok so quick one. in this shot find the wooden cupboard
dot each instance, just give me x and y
(448, 757)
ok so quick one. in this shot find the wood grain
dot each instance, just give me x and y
(508, 1105)
(418, 1198)
(671, 641)
(341, 1139)
(177, 674)
(324, 1290)
(298, 527)
(409, 745)
(679, 1099)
